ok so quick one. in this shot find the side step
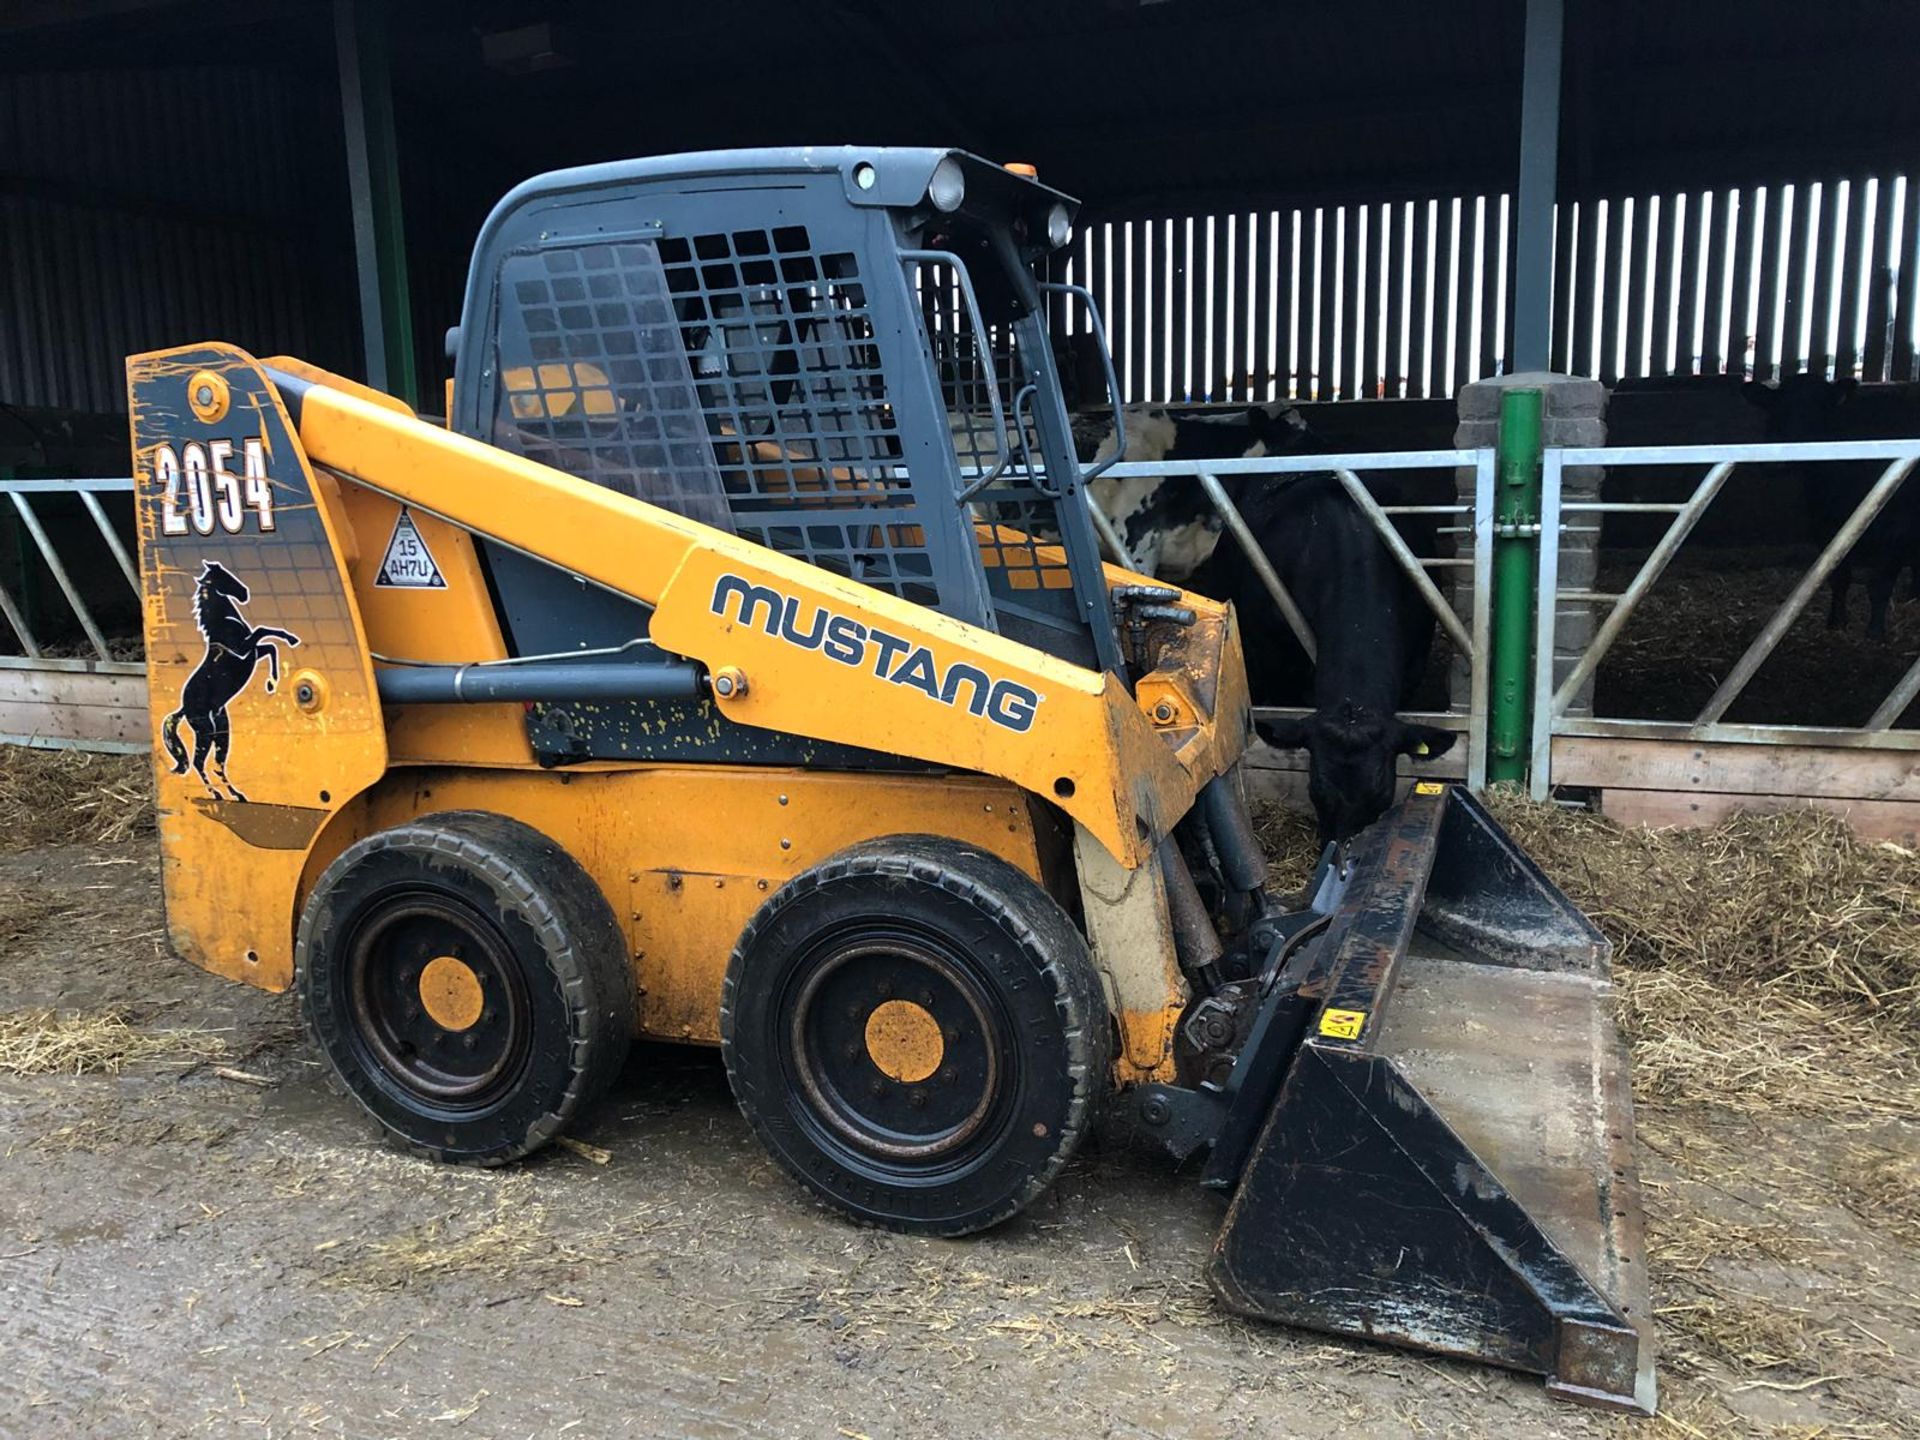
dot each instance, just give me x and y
(1449, 1162)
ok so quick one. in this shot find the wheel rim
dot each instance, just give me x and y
(439, 1007)
(896, 1050)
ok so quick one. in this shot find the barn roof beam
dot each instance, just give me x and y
(1538, 184)
(373, 180)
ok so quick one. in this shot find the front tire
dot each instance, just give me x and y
(917, 1033)
(467, 984)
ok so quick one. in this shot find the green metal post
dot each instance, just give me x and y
(1516, 517)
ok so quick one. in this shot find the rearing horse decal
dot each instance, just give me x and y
(234, 651)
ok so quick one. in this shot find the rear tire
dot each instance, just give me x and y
(916, 1031)
(467, 984)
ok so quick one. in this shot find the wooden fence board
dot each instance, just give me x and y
(1641, 239)
(1820, 301)
(1773, 770)
(1420, 322)
(1354, 309)
(1392, 373)
(1445, 282)
(1877, 279)
(1660, 333)
(1217, 383)
(1777, 218)
(1800, 240)
(1472, 238)
(1721, 223)
(1890, 820)
(73, 707)
(1907, 258)
(1746, 236)
(1612, 285)
(1693, 267)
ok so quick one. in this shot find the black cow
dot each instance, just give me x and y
(1809, 407)
(1165, 522)
(1371, 628)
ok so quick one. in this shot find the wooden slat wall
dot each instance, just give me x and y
(1721, 223)
(1659, 782)
(1901, 352)
(1398, 225)
(1320, 302)
(68, 707)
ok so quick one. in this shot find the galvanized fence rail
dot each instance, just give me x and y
(65, 702)
(1554, 714)
(1472, 530)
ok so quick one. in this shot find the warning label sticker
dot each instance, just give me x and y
(1343, 1024)
(409, 564)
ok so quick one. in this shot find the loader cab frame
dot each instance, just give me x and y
(841, 354)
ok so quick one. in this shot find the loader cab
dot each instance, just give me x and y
(841, 354)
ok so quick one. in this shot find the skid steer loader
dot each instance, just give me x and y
(738, 665)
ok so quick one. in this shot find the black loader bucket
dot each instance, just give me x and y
(1445, 1158)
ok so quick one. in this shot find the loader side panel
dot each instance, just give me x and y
(828, 658)
(264, 713)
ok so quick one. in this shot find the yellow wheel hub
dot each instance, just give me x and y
(451, 993)
(903, 1041)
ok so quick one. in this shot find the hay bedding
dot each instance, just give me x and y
(1769, 980)
(66, 797)
(1707, 608)
(1771, 962)
(50, 1042)
(63, 797)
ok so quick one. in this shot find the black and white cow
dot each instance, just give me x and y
(1166, 524)
(1372, 630)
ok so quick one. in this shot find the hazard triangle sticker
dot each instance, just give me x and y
(408, 564)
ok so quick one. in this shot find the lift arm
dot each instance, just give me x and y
(789, 646)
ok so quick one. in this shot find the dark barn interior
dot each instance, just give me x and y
(1731, 178)
(171, 168)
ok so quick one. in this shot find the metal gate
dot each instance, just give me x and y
(95, 700)
(1868, 763)
(1465, 620)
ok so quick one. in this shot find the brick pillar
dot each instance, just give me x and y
(1574, 412)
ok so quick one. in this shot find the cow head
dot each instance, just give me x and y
(1278, 432)
(1352, 751)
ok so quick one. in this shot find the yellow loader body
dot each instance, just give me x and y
(691, 849)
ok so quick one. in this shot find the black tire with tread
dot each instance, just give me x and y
(1064, 1061)
(561, 933)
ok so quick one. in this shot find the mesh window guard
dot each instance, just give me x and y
(733, 377)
